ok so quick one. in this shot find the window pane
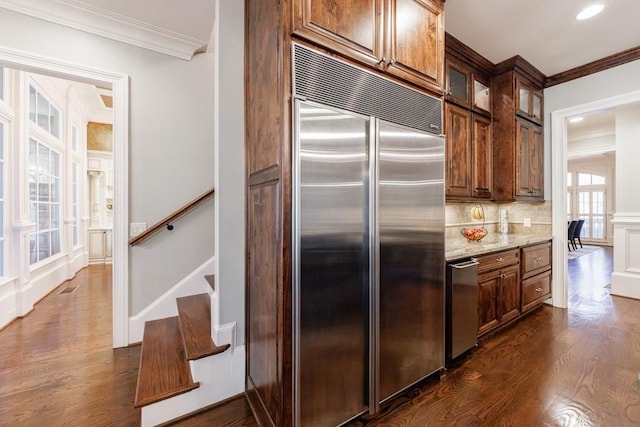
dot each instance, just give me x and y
(597, 202)
(33, 209)
(1, 225)
(55, 217)
(586, 227)
(32, 104)
(44, 245)
(54, 122)
(44, 218)
(55, 164)
(43, 159)
(55, 189)
(43, 112)
(583, 202)
(55, 242)
(33, 249)
(2, 140)
(44, 190)
(597, 180)
(584, 179)
(1, 180)
(598, 227)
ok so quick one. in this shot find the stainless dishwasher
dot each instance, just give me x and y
(462, 308)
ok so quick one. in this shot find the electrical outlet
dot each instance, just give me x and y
(136, 228)
(526, 223)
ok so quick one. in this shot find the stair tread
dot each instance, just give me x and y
(211, 279)
(195, 318)
(164, 370)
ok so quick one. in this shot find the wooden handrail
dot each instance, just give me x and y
(167, 220)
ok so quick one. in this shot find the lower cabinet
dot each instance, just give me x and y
(511, 283)
(499, 289)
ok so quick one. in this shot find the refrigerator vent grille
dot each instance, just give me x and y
(326, 80)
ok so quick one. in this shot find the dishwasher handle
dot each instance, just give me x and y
(466, 264)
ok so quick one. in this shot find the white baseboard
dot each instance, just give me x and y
(165, 306)
(8, 302)
(220, 376)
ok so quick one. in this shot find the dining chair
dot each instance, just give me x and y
(570, 231)
(576, 234)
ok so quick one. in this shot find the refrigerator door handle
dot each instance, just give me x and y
(374, 270)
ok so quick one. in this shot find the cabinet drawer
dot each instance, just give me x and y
(498, 260)
(535, 290)
(535, 259)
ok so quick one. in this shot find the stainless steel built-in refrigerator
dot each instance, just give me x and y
(368, 232)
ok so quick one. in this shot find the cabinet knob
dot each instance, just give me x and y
(499, 259)
(382, 60)
(538, 289)
(393, 61)
(539, 258)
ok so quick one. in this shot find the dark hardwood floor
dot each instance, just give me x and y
(555, 367)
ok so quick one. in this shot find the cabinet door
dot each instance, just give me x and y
(458, 83)
(96, 245)
(509, 293)
(488, 316)
(351, 27)
(481, 94)
(458, 151)
(529, 101)
(482, 157)
(416, 41)
(536, 161)
(529, 160)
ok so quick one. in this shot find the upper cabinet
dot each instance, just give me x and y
(404, 38)
(518, 150)
(466, 86)
(467, 123)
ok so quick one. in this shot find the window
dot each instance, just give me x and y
(42, 113)
(74, 202)
(44, 201)
(591, 205)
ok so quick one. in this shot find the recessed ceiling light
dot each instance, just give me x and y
(576, 119)
(590, 12)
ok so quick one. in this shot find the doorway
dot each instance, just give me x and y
(559, 167)
(119, 83)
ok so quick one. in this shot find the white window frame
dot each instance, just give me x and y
(34, 110)
(53, 204)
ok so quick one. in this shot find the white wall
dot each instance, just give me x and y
(171, 142)
(230, 199)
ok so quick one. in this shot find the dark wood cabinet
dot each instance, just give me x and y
(529, 148)
(518, 151)
(468, 153)
(404, 38)
(498, 289)
(529, 101)
(536, 275)
(468, 126)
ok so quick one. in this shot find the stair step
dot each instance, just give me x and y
(195, 318)
(211, 278)
(164, 370)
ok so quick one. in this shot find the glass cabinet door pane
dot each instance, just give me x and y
(537, 106)
(523, 100)
(481, 95)
(458, 84)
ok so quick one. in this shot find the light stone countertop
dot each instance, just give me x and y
(459, 248)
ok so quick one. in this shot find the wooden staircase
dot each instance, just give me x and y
(169, 347)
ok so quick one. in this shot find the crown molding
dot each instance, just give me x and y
(94, 20)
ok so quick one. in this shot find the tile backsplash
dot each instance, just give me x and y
(458, 215)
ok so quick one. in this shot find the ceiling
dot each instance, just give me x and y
(544, 32)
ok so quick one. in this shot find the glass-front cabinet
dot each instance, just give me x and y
(529, 102)
(467, 88)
